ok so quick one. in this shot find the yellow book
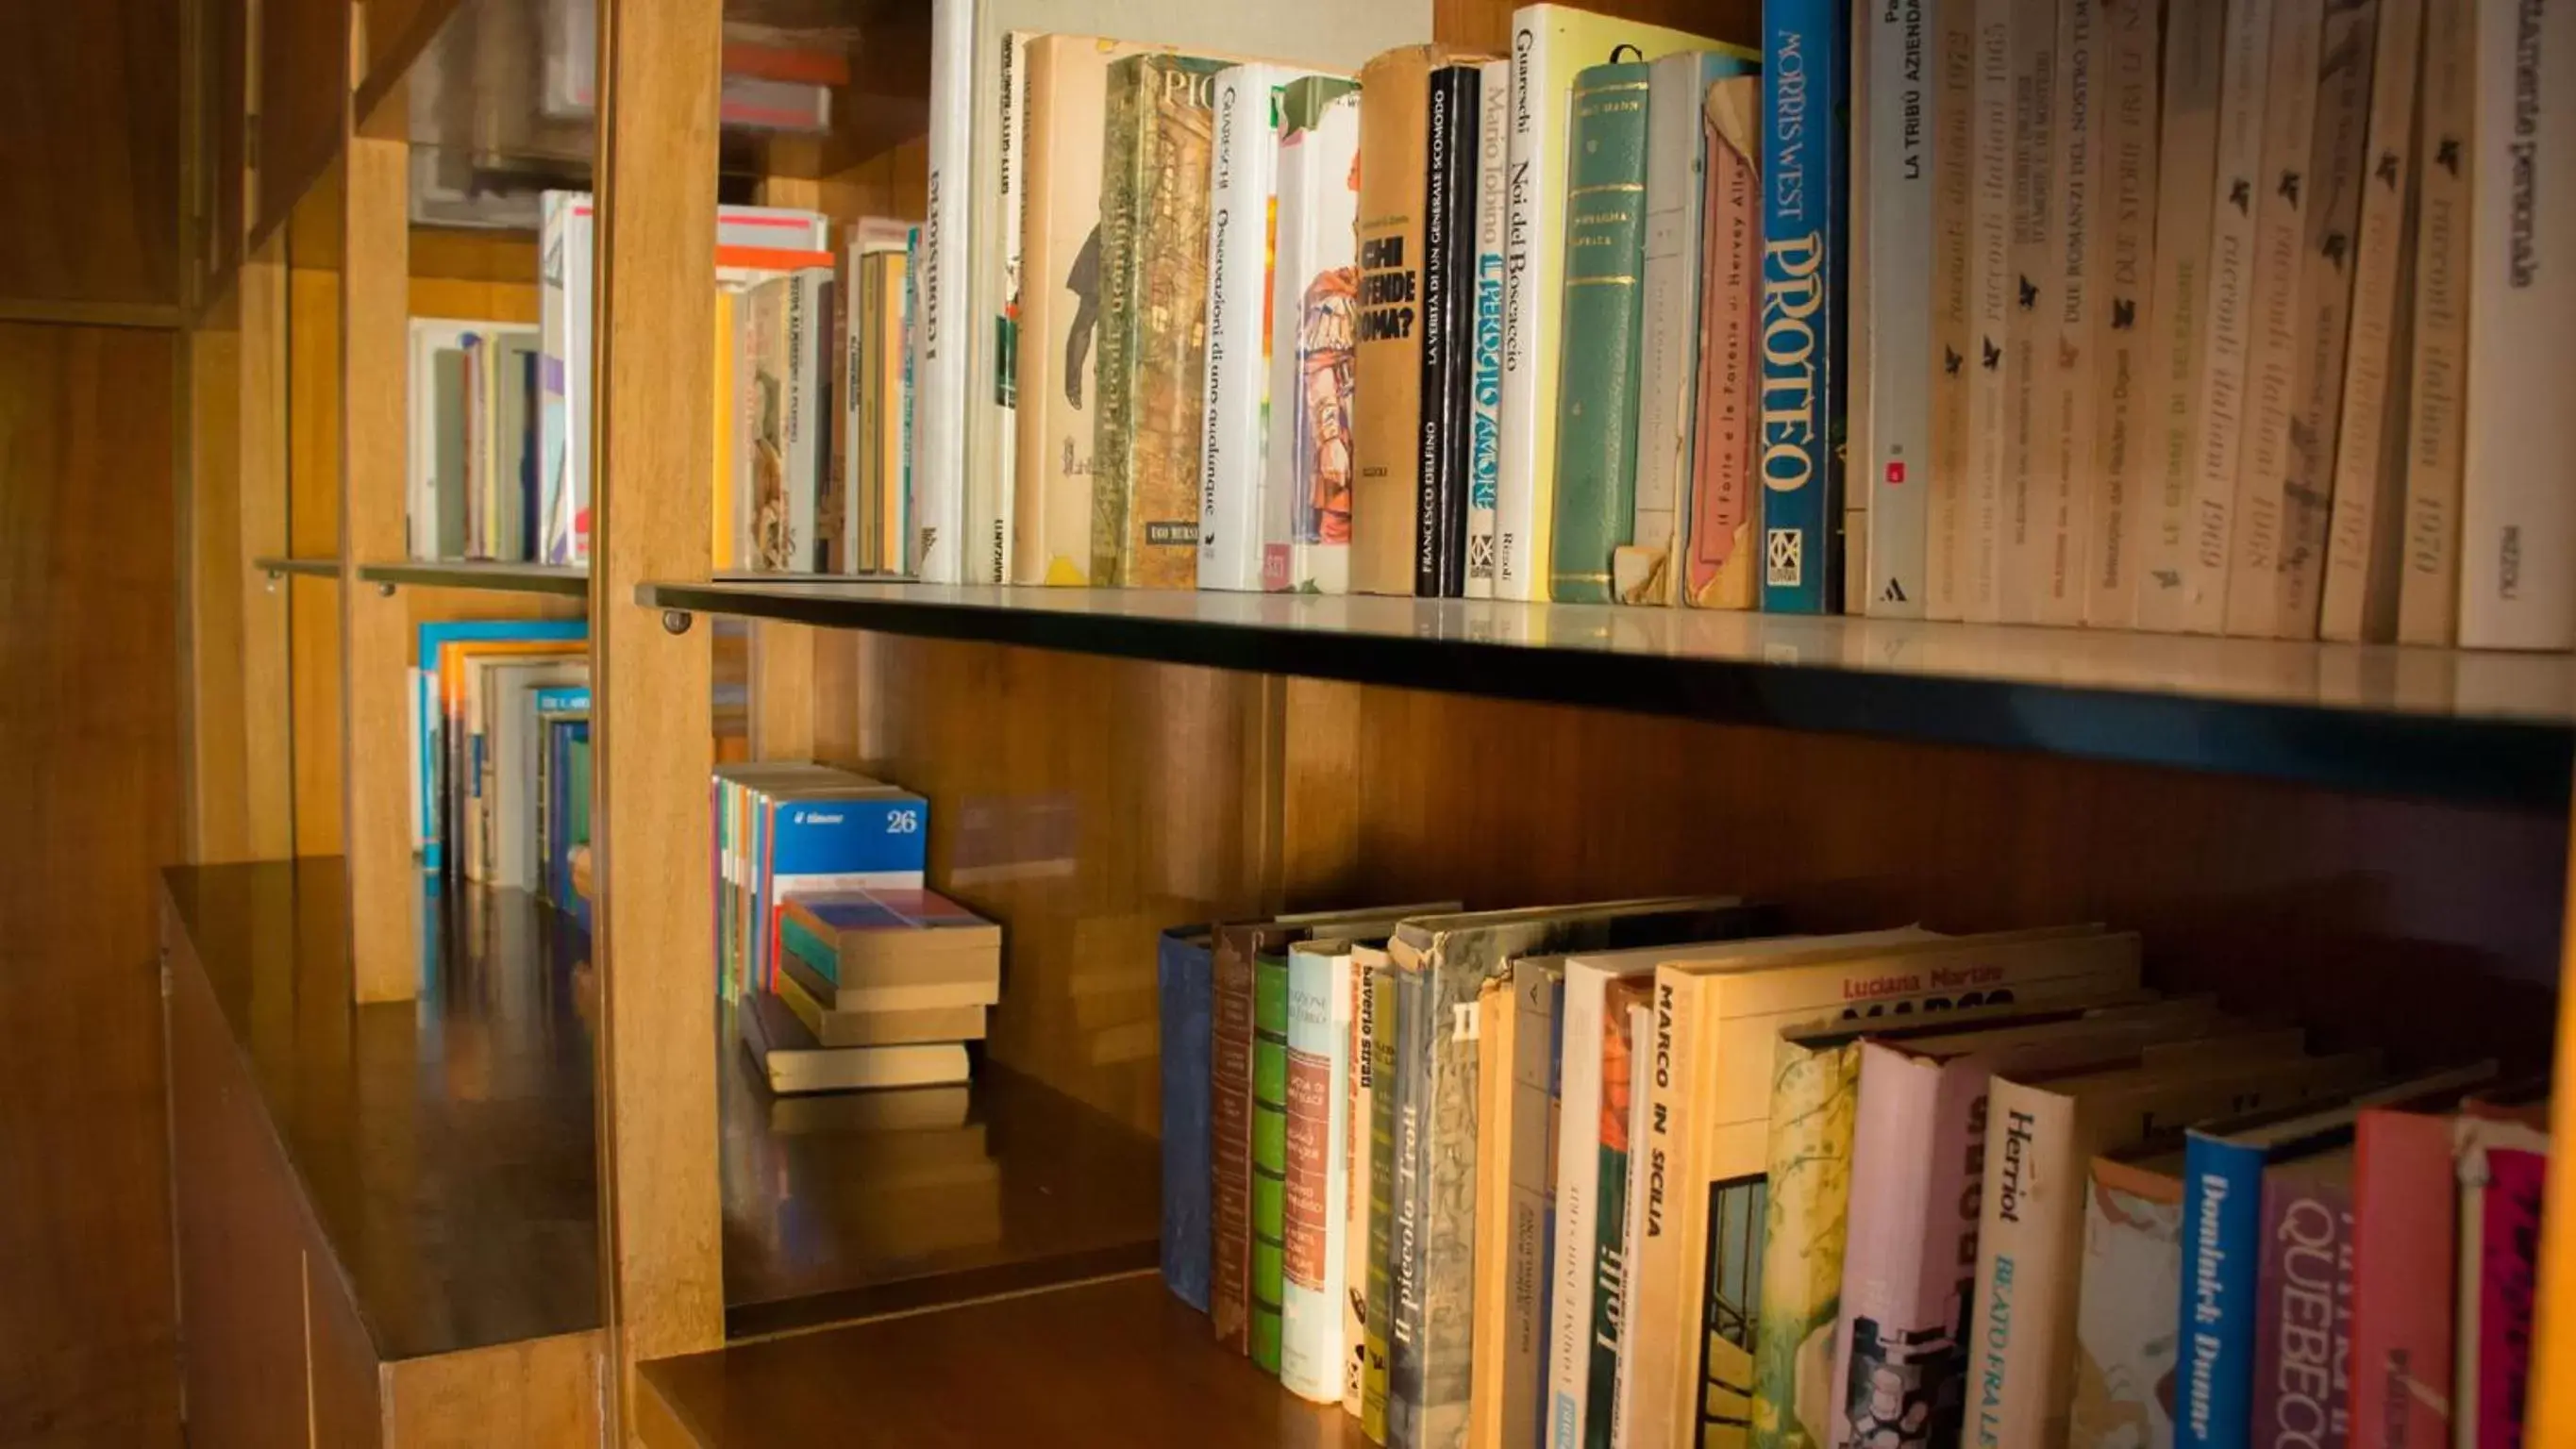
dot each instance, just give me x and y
(1549, 44)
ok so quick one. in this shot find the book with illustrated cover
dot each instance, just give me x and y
(1549, 44)
(1596, 402)
(2186, 181)
(1243, 194)
(1605, 1280)
(1806, 57)
(1153, 254)
(2124, 1309)
(2123, 319)
(1314, 312)
(1725, 503)
(2503, 1168)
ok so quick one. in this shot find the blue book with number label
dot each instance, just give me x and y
(831, 838)
(1805, 140)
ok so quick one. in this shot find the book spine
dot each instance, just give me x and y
(1497, 1065)
(2221, 1251)
(837, 517)
(1577, 1213)
(807, 367)
(1389, 408)
(1655, 1355)
(1317, 1186)
(2186, 179)
(1985, 513)
(2500, 1227)
(1448, 170)
(1485, 379)
(1269, 1155)
(1596, 423)
(1641, 1076)
(1033, 352)
(1890, 1241)
(2517, 519)
(939, 341)
(1322, 376)
(1815, 1094)
(1644, 572)
(2080, 251)
(1168, 367)
(1242, 190)
(2338, 173)
(1405, 1235)
(1801, 448)
(2369, 551)
(2124, 1320)
(2031, 257)
(1523, 1364)
(1385, 996)
(2133, 32)
(2418, 560)
(2303, 1328)
(1948, 539)
(991, 454)
(2024, 1252)
(1533, 235)
(1114, 436)
(1230, 1151)
(2218, 434)
(1725, 504)
(2289, 192)
(1359, 1116)
(2405, 1221)
(1853, 526)
(1605, 1275)
(1896, 462)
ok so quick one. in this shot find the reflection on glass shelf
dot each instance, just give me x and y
(564, 580)
(2442, 722)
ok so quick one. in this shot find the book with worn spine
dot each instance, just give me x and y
(1645, 569)
(1892, 429)
(1153, 246)
(2186, 180)
(1485, 373)
(1317, 1186)
(1243, 189)
(1725, 501)
(1386, 1006)
(1448, 213)
(1815, 1093)
(1314, 316)
(1985, 518)
(1230, 1148)
(2133, 36)
(1184, 990)
(1596, 401)
(1806, 58)
(1951, 67)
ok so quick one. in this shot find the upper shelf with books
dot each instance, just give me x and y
(499, 98)
(563, 580)
(2478, 727)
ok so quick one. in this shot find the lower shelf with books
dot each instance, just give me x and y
(1115, 1361)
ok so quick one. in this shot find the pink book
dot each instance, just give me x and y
(2502, 1165)
(2405, 1211)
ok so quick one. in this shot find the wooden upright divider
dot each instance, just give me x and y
(652, 429)
(268, 794)
(384, 885)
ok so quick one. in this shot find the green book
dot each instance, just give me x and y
(1269, 1151)
(1605, 262)
(1383, 1000)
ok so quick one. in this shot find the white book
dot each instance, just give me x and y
(1983, 519)
(422, 481)
(2186, 177)
(1306, 473)
(2031, 307)
(1243, 186)
(2339, 175)
(563, 409)
(2060, 498)
(2123, 321)
(808, 371)
(2283, 194)
(2412, 241)
(1894, 313)
(1578, 1166)
(1951, 65)
(1643, 571)
(1485, 383)
(2517, 506)
(2219, 412)
(1315, 1219)
(962, 473)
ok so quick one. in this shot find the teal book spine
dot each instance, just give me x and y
(1605, 262)
(810, 948)
(1269, 1154)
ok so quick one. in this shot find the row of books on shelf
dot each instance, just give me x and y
(500, 752)
(845, 971)
(1649, 1175)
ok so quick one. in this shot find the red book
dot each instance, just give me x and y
(2405, 1223)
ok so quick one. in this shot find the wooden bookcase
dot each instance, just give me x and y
(2372, 841)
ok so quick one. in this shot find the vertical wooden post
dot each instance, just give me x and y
(652, 358)
(267, 742)
(2552, 1418)
(375, 280)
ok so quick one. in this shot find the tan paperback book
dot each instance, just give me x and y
(1953, 67)
(2061, 499)
(2426, 549)
(2122, 290)
(2030, 329)
(1986, 521)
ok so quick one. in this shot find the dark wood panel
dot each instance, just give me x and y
(303, 98)
(347, 1381)
(89, 153)
(220, 36)
(90, 773)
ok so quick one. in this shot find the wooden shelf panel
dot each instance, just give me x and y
(561, 580)
(311, 568)
(1114, 1362)
(2448, 724)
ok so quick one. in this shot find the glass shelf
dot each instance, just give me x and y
(311, 568)
(561, 580)
(2472, 727)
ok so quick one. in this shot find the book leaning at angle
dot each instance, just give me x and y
(1549, 44)
(1314, 315)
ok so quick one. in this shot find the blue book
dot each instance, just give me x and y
(2222, 1252)
(428, 730)
(831, 839)
(1805, 139)
(1185, 986)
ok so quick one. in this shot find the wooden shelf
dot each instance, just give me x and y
(1115, 1362)
(311, 568)
(561, 580)
(2449, 724)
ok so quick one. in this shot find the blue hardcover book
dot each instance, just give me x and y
(1805, 139)
(1185, 986)
(428, 730)
(2222, 1251)
(830, 840)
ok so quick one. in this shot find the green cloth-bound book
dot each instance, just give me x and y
(1269, 1151)
(1605, 259)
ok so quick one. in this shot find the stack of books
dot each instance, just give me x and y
(882, 988)
(1649, 1173)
